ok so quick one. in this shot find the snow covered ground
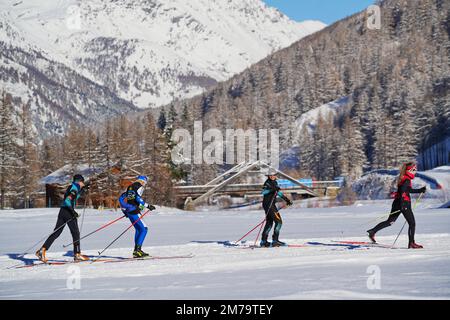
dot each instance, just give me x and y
(321, 271)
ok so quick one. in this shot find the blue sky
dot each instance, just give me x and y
(327, 11)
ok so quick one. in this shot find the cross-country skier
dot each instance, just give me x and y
(402, 204)
(271, 191)
(132, 204)
(67, 215)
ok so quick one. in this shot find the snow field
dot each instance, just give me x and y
(222, 272)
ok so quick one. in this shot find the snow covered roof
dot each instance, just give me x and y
(64, 175)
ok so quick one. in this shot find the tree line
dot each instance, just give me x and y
(135, 145)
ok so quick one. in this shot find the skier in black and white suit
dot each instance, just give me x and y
(271, 191)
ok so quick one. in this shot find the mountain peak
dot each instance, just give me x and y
(145, 50)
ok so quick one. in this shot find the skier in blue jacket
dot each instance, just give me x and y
(67, 215)
(132, 204)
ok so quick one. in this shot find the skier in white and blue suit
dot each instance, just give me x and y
(132, 204)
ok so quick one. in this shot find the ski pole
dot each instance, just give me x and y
(120, 235)
(262, 224)
(258, 223)
(257, 237)
(84, 210)
(404, 224)
(60, 227)
(379, 218)
(259, 232)
(102, 227)
(40, 241)
(250, 231)
(399, 234)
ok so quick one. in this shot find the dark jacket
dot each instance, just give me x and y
(270, 190)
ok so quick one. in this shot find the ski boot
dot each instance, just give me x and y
(278, 243)
(414, 245)
(41, 255)
(80, 257)
(264, 244)
(371, 235)
(138, 253)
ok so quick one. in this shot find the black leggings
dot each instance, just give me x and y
(65, 216)
(407, 213)
(272, 215)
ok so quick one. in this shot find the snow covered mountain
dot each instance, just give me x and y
(310, 118)
(144, 52)
(289, 158)
(57, 94)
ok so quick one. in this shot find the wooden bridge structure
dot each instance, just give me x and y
(225, 184)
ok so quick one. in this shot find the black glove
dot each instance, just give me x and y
(289, 202)
(75, 214)
(423, 189)
(150, 207)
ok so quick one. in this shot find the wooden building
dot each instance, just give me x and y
(106, 185)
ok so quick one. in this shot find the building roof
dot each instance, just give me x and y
(65, 174)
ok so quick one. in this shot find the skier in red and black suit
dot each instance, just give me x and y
(402, 204)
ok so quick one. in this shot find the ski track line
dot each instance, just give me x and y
(142, 267)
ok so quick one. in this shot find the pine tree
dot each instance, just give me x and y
(73, 147)
(374, 118)
(27, 161)
(46, 157)
(351, 156)
(162, 120)
(279, 78)
(322, 154)
(407, 138)
(384, 145)
(157, 157)
(172, 117)
(186, 120)
(305, 151)
(8, 148)
(91, 149)
(176, 170)
(108, 184)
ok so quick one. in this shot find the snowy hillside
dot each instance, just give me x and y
(57, 94)
(310, 118)
(150, 52)
(319, 269)
(289, 158)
